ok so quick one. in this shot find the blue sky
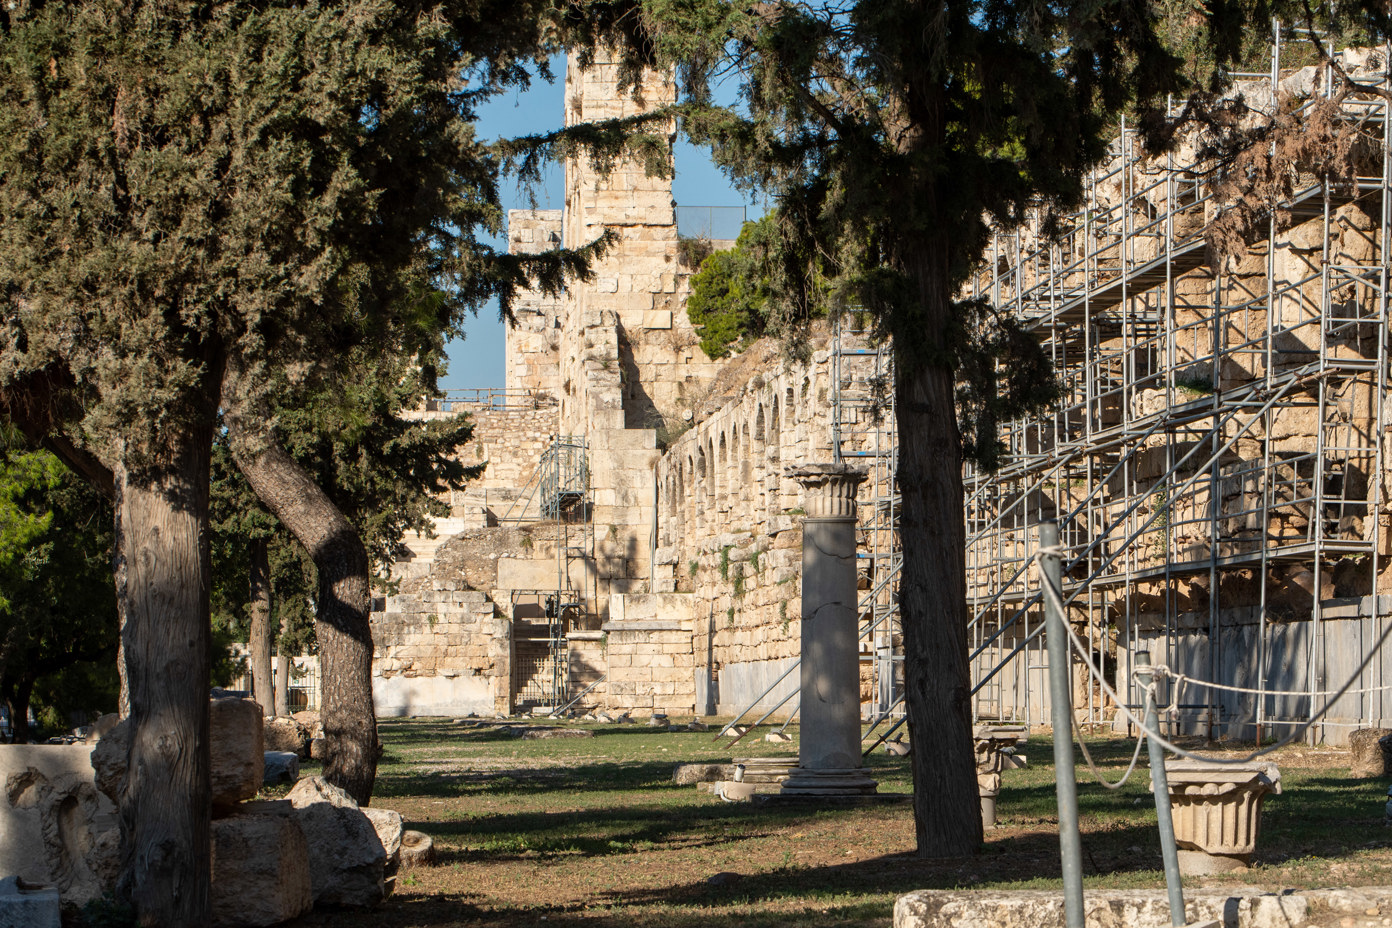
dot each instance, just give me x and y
(477, 360)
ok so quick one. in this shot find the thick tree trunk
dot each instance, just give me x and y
(282, 679)
(162, 580)
(342, 621)
(259, 639)
(932, 589)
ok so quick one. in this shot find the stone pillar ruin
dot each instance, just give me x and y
(829, 748)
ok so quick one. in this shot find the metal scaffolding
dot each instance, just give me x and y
(1216, 449)
(1214, 460)
(864, 434)
(558, 496)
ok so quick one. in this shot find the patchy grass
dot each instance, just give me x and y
(591, 831)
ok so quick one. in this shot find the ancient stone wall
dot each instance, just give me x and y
(632, 358)
(509, 440)
(533, 343)
(648, 651)
(729, 525)
(441, 651)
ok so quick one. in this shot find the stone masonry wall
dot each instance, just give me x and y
(510, 440)
(652, 667)
(441, 651)
(631, 357)
(532, 346)
(729, 528)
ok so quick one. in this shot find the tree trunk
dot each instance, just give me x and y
(162, 580)
(282, 678)
(262, 688)
(342, 621)
(932, 587)
(19, 710)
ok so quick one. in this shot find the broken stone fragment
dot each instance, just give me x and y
(347, 861)
(389, 830)
(55, 828)
(285, 734)
(237, 749)
(1370, 748)
(282, 767)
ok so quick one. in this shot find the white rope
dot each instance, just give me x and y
(1056, 600)
(1097, 774)
(1181, 679)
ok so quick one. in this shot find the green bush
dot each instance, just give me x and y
(729, 294)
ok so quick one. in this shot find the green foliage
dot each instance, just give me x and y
(693, 566)
(725, 562)
(729, 294)
(384, 472)
(692, 250)
(58, 624)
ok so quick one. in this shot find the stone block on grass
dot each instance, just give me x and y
(260, 871)
(1372, 752)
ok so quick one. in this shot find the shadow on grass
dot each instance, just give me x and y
(858, 893)
(599, 832)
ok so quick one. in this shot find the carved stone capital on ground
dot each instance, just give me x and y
(829, 490)
(1217, 812)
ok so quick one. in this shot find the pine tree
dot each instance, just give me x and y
(205, 204)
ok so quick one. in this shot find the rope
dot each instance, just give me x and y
(1182, 679)
(1092, 767)
(1056, 600)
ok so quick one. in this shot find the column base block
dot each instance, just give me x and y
(847, 781)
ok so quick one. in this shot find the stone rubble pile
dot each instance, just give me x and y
(271, 860)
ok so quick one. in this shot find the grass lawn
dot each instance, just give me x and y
(591, 831)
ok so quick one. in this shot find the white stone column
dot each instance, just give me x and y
(829, 747)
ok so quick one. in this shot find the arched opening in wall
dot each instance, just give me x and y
(715, 485)
(790, 407)
(722, 468)
(667, 525)
(759, 424)
(771, 443)
(736, 488)
(696, 467)
(746, 466)
(774, 475)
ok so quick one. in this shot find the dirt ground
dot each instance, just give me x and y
(591, 831)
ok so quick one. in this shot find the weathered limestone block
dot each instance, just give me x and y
(260, 867)
(1370, 748)
(286, 734)
(346, 858)
(281, 767)
(55, 827)
(389, 830)
(1108, 908)
(28, 906)
(417, 850)
(238, 749)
